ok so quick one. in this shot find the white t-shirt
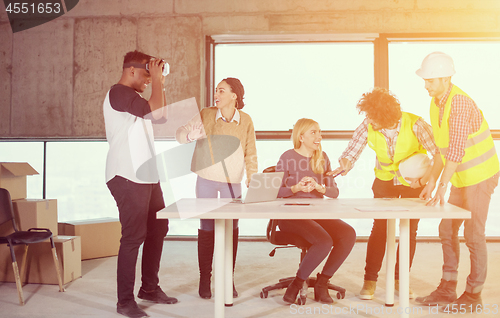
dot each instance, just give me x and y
(129, 133)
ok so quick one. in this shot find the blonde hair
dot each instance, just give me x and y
(300, 127)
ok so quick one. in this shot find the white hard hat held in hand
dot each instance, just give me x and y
(414, 166)
(436, 65)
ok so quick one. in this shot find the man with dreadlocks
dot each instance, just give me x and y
(394, 135)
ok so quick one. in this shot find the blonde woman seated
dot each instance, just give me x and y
(304, 170)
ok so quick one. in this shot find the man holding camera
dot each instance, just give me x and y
(133, 181)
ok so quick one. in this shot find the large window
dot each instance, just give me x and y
(75, 177)
(285, 82)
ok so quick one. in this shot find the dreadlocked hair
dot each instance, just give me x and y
(381, 106)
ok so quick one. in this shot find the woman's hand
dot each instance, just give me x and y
(196, 131)
(307, 184)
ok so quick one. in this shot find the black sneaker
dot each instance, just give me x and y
(467, 303)
(131, 310)
(157, 296)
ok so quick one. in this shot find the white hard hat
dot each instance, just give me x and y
(414, 166)
(436, 65)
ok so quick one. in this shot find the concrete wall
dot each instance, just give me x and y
(53, 78)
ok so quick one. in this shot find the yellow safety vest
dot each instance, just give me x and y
(480, 161)
(407, 145)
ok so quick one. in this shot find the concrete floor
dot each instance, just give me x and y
(94, 295)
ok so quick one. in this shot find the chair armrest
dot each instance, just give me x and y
(36, 229)
(272, 227)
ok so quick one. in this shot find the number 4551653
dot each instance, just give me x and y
(27, 8)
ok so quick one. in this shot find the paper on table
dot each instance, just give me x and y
(381, 208)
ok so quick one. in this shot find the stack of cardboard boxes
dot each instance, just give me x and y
(36, 213)
(75, 241)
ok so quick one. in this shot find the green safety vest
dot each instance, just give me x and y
(480, 161)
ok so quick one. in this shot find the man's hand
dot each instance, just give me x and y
(414, 182)
(438, 196)
(345, 165)
(426, 193)
(156, 101)
(449, 169)
(156, 69)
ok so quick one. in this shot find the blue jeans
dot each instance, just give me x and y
(323, 235)
(475, 199)
(211, 189)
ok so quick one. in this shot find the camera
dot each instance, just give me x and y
(165, 69)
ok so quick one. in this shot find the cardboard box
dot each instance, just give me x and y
(13, 178)
(6, 273)
(100, 237)
(32, 213)
(40, 267)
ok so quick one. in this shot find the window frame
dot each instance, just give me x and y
(380, 42)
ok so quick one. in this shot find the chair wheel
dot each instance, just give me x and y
(301, 301)
(263, 294)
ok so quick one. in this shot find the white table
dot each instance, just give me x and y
(391, 209)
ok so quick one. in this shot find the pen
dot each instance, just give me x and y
(338, 174)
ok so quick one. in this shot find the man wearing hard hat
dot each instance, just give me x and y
(400, 141)
(471, 165)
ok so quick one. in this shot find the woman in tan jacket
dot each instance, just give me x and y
(225, 148)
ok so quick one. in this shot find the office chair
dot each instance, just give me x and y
(290, 240)
(33, 235)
